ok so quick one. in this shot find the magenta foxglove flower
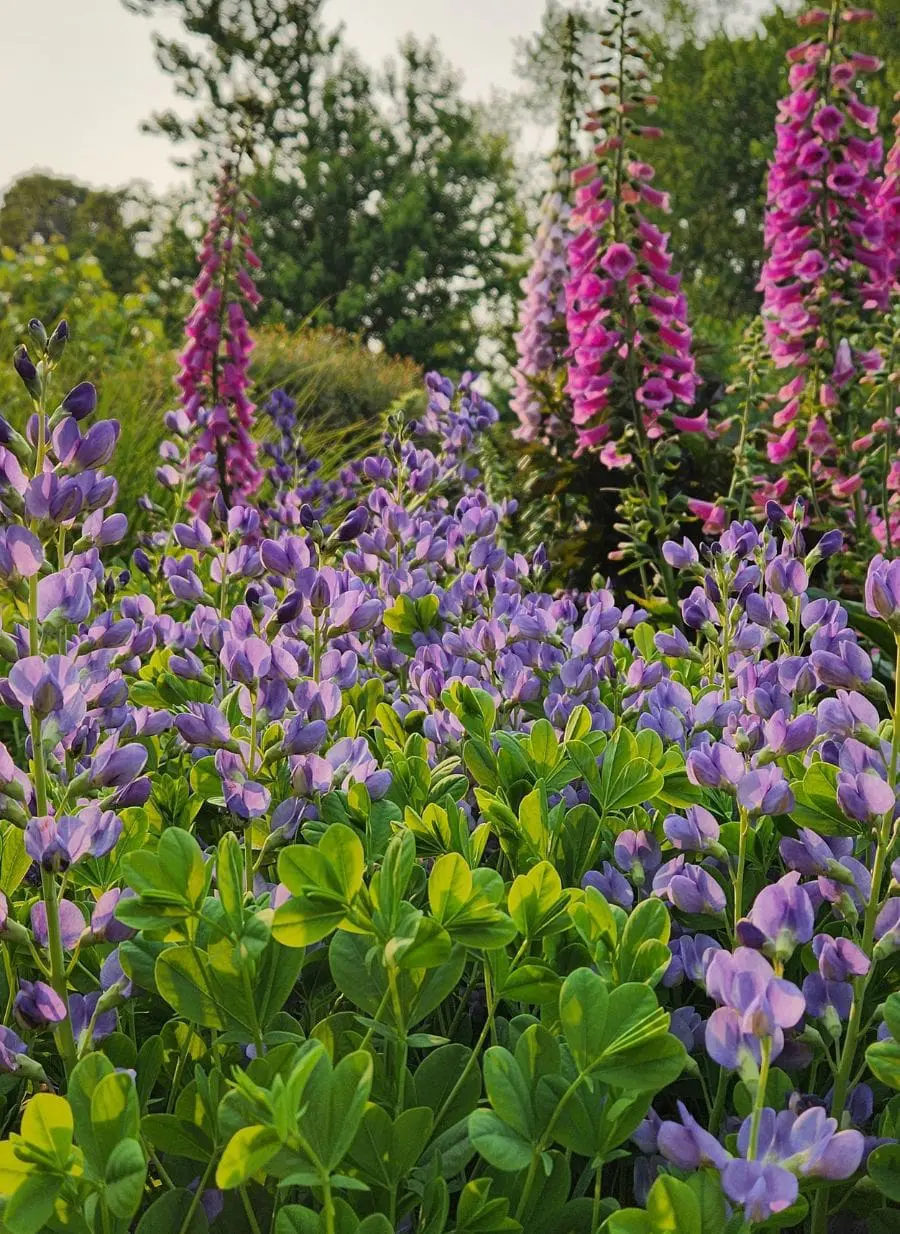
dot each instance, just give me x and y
(214, 379)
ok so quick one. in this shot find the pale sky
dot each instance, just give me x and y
(79, 75)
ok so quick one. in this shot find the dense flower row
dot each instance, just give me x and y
(326, 827)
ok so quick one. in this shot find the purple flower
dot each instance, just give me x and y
(71, 923)
(760, 1188)
(754, 1003)
(11, 1045)
(689, 887)
(611, 885)
(680, 556)
(697, 832)
(715, 765)
(690, 1146)
(204, 725)
(887, 929)
(114, 766)
(765, 791)
(37, 1005)
(637, 853)
(105, 927)
(80, 401)
(812, 854)
(57, 843)
(244, 797)
(839, 958)
(882, 590)
(81, 1011)
(781, 918)
(864, 797)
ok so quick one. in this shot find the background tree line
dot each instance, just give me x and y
(393, 207)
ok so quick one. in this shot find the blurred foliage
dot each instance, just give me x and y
(104, 223)
(342, 386)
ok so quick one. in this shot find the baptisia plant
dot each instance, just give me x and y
(353, 881)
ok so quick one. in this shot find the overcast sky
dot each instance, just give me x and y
(79, 75)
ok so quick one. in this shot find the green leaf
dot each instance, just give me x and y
(170, 1134)
(82, 1085)
(816, 803)
(673, 1208)
(583, 1009)
(31, 1205)
(497, 1142)
(114, 1113)
(437, 1076)
(246, 1153)
(626, 779)
(168, 1214)
(537, 903)
(14, 861)
(126, 1173)
(183, 979)
(884, 1170)
(47, 1124)
(507, 1090)
(544, 746)
(883, 1058)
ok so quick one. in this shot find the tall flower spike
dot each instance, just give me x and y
(825, 249)
(630, 346)
(539, 398)
(214, 378)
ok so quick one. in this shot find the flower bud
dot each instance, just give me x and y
(23, 365)
(56, 344)
(38, 333)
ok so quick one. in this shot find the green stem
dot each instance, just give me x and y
(759, 1100)
(328, 1205)
(718, 1109)
(741, 866)
(196, 1198)
(251, 1216)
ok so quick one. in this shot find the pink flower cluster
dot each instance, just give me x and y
(541, 340)
(887, 208)
(826, 242)
(630, 345)
(214, 379)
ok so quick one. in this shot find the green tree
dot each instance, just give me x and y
(105, 223)
(388, 203)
